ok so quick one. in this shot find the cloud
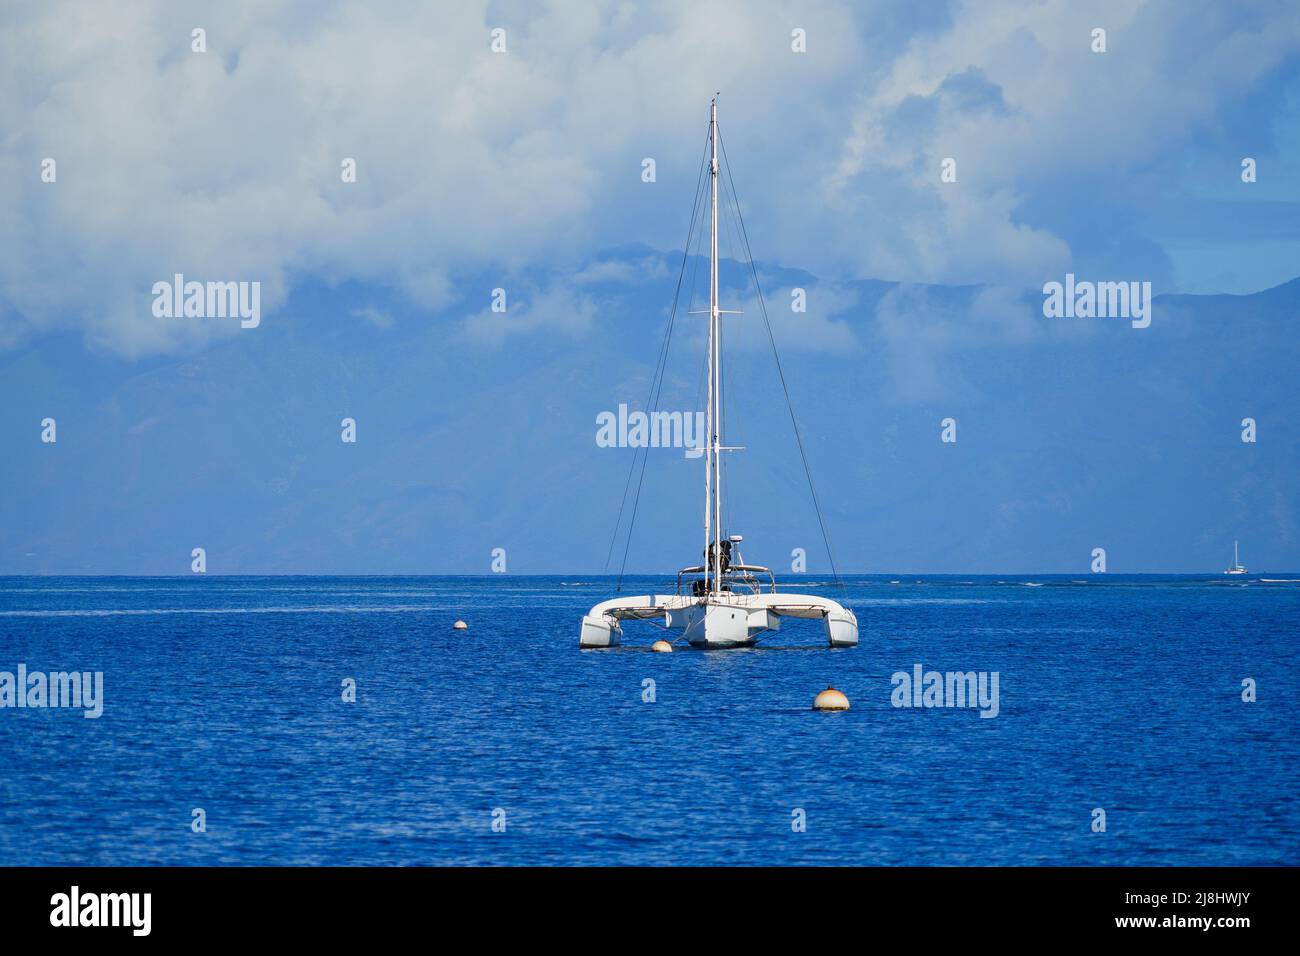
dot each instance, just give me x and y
(1013, 92)
(147, 424)
(928, 333)
(226, 165)
(555, 309)
(376, 317)
(813, 330)
(622, 271)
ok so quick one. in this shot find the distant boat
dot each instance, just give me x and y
(1237, 567)
(725, 606)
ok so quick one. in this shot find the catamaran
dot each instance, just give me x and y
(1237, 567)
(723, 602)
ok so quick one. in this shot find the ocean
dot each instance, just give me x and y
(506, 744)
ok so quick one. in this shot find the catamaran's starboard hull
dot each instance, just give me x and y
(732, 621)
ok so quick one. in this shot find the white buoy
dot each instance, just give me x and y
(461, 626)
(831, 699)
(663, 647)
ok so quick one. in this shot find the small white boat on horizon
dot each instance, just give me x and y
(1237, 567)
(722, 602)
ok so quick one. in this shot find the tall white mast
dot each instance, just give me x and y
(713, 481)
(708, 456)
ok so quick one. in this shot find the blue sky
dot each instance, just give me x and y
(523, 170)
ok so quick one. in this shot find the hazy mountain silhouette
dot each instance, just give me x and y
(1072, 433)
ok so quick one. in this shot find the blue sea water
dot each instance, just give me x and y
(224, 693)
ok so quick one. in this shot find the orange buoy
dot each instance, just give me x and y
(831, 699)
(662, 647)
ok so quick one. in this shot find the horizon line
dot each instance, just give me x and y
(551, 574)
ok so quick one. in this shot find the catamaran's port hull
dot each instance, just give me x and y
(600, 632)
(734, 621)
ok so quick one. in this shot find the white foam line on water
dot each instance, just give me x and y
(114, 612)
(894, 602)
(208, 589)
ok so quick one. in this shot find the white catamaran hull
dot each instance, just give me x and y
(718, 621)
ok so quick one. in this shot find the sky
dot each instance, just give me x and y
(523, 169)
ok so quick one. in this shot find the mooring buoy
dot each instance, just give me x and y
(662, 647)
(460, 626)
(831, 699)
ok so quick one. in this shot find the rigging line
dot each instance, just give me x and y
(704, 358)
(695, 259)
(826, 539)
(703, 434)
(699, 385)
(657, 389)
(652, 400)
(733, 245)
(663, 352)
(724, 246)
(722, 417)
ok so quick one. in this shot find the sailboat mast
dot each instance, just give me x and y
(715, 333)
(708, 448)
